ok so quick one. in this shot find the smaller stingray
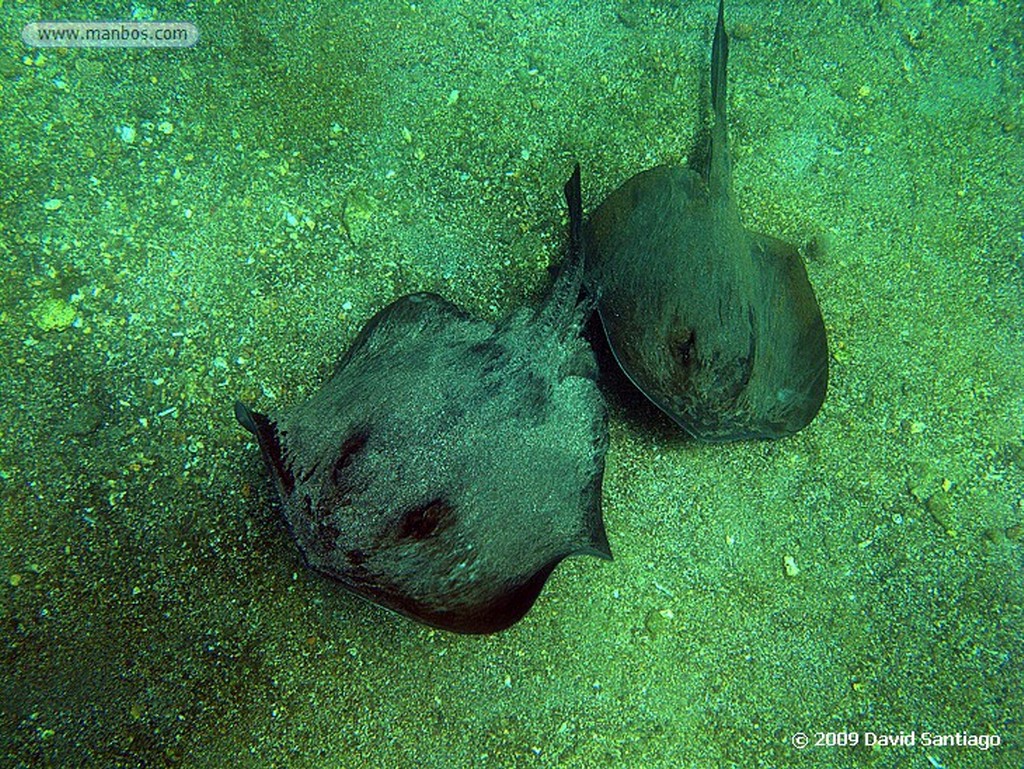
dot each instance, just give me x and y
(448, 466)
(718, 326)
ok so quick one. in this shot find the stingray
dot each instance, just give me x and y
(718, 326)
(448, 465)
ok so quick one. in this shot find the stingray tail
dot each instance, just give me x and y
(574, 201)
(719, 58)
(719, 161)
(561, 306)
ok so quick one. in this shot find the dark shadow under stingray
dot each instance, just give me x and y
(718, 326)
(449, 465)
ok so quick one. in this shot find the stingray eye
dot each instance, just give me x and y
(684, 348)
(421, 522)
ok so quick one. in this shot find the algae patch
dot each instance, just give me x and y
(54, 315)
(358, 209)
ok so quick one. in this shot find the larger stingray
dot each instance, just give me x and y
(718, 326)
(448, 466)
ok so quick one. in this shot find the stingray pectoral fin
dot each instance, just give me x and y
(641, 383)
(266, 434)
(398, 317)
(473, 617)
(598, 545)
(596, 542)
(246, 418)
(597, 549)
(501, 613)
(799, 346)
